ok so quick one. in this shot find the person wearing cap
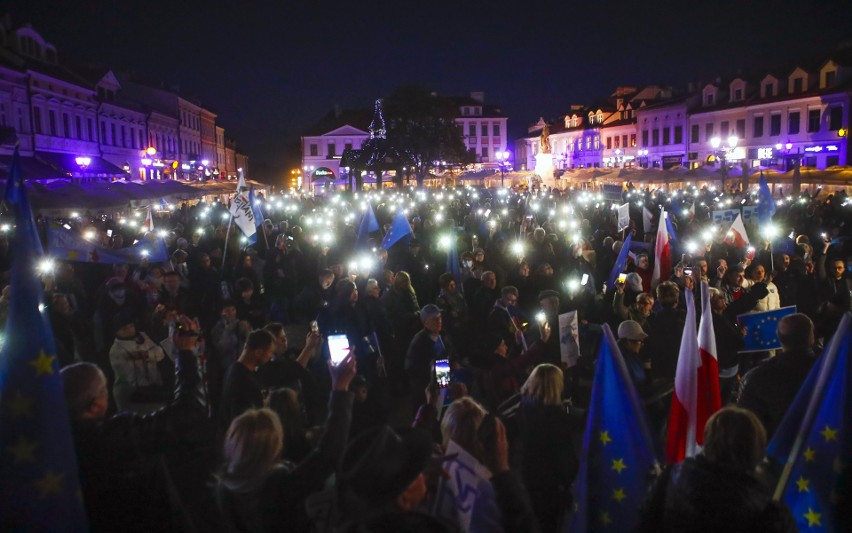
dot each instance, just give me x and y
(631, 339)
(428, 344)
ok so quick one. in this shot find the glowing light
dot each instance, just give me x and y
(770, 231)
(144, 253)
(89, 235)
(162, 234)
(5, 228)
(45, 266)
(691, 247)
(75, 214)
(444, 241)
(541, 317)
(518, 248)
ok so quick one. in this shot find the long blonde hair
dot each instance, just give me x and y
(400, 280)
(253, 446)
(544, 385)
(461, 423)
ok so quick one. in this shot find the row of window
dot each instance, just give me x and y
(616, 141)
(495, 130)
(190, 120)
(794, 123)
(332, 149)
(770, 89)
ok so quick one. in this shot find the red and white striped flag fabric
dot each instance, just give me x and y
(149, 220)
(662, 252)
(696, 388)
(737, 234)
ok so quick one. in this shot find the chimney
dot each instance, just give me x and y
(479, 96)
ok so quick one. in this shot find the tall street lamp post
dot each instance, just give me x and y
(502, 157)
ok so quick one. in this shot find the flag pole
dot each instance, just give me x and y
(227, 236)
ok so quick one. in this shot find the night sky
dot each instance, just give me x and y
(272, 71)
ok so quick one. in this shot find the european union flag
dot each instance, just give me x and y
(618, 454)
(258, 215)
(620, 263)
(814, 441)
(399, 229)
(453, 266)
(368, 225)
(766, 204)
(762, 329)
(39, 486)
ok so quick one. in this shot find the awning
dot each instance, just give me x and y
(31, 168)
(67, 163)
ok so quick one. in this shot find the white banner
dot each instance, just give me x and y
(569, 338)
(623, 216)
(749, 212)
(466, 479)
(243, 214)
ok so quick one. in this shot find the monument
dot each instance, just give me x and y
(544, 159)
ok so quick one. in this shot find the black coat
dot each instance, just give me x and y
(698, 495)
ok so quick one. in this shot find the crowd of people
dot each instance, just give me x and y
(203, 396)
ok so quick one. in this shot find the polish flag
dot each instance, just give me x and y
(737, 233)
(149, 220)
(696, 388)
(662, 252)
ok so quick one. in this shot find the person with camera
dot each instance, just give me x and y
(125, 482)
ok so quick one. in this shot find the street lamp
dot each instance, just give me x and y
(502, 157)
(720, 151)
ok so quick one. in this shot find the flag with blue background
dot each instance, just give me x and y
(618, 457)
(368, 225)
(814, 442)
(39, 486)
(762, 329)
(399, 229)
(453, 265)
(620, 263)
(766, 204)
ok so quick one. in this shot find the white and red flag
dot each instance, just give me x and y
(662, 252)
(737, 233)
(149, 220)
(696, 387)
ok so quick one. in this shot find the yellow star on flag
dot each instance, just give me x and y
(812, 518)
(50, 483)
(828, 433)
(605, 438)
(810, 453)
(605, 519)
(23, 450)
(618, 495)
(20, 405)
(802, 484)
(43, 364)
(72, 255)
(618, 465)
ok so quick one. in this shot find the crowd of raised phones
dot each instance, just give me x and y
(202, 397)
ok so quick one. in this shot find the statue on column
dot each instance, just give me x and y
(545, 140)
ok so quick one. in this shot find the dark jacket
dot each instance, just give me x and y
(277, 503)
(698, 495)
(729, 341)
(664, 329)
(548, 461)
(125, 483)
(769, 389)
(241, 391)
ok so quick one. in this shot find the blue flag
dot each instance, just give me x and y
(399, 229)
(766, 205)
(670, 229)
(762, 329)
(618, 454)
(258, 215)
(620, 263)
(39, 485)
(368, 225)
(453, 266)
(67, 245)
(814, 441)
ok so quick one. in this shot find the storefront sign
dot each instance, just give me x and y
(323, 172)
(822, 148)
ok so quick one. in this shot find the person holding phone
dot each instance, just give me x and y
(241, 390)
(428, 345)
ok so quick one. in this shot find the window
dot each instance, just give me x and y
(37, 119)
(347, 146)
(708, 131)
(830, 78)
(332, 150)
(798, 83)
(471, 130)
(813, 120)
(113, 138)
(103, 133)
(495, 130)
(832, 160)
(91, 127)
(775, 124)
(723, 130)
(51, 116)
(835, 118)
(597, 142)
(694, 133)
(709, 99)
(616, 141)
(758, 126)
(644, 137)
(655, 137)
(609, 143)
(666, 135)
(124, 136)
(484, 152)
(741, 128)
(633, 140)
(484, 130)
(141, 142)
(678, 132)
(624, 140)
(78, 123)
(314, 150)
(66, 125)
(793, 122)
(768, 89)
(738, 94)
